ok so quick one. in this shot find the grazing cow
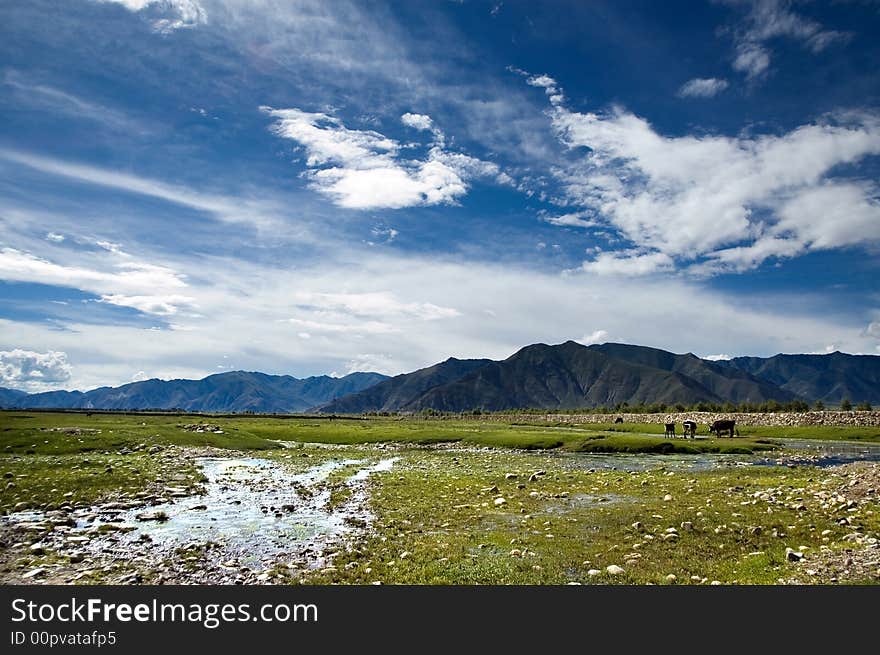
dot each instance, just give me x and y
(723, 425)
(670, 430)
(690, 428)
(619, 419)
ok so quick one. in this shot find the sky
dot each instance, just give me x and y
(307, 187)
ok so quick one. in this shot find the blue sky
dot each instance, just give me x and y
(193, 186)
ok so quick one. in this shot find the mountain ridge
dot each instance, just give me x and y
(562, 376)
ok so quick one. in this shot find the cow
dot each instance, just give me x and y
(723, 425)
(670, 430)
(690, 428)
(619, 419)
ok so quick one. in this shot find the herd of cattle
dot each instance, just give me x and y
(721, 428)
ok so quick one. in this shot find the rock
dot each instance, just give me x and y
(613, 569)
(152, 516)
(667, 498)
(499, 502)
(405, 554)
(671, 578)
(637, 526)
(715, 583)
(687, 526)
(510, 476)
(671, 536)
(593, 572)
(756, 531)
(33, 573)
(516, 552)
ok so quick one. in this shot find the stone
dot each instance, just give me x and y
(510, 476)
(499, 502)
(671, 578)
(613, 569)
(516, 552)
(687, 526)
(793, 555)
(33, 573)
(593, 572)
(667, 498)
(152, 516)
(637, 526)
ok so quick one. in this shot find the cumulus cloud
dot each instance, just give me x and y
(363, 169)
(771, 19)
(701, 87)
(33, 371)
(417, 121)
(598, 336)
(721, 357)
(166, 15)
(734, 201)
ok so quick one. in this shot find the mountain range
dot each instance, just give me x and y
(236, 391)
(563, 376)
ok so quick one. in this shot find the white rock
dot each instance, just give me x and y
(613, 569)
(500, 501)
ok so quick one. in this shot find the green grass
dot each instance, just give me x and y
(823, 432)
(52, 433)
(41, 481)
(437, 523)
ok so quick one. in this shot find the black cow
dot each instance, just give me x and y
(690, 428)
(619, 419)
(723, 425)
(670, 430)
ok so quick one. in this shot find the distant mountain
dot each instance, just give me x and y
(398, 392)
(10, 396)
(570, 375)
(237, 391)
(829, 378)
(563, 376)
(724, 382)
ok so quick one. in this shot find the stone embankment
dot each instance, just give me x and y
(861, 419)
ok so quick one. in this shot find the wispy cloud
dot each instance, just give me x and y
(363, 169)
(702, 87)
(771, 19)
(51, 99)
(235, 210)
(166, 15)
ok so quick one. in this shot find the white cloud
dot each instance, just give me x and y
(701, 87)
(598, 336)
(54, 237)
(173, 14)
(380, 303)
(629, 264)
(722, 357)
(140, 376)
(156, 305)
(734, 200)
(354, 327)
(772, 19)
(33, 371)
(362, 169)
(575, 219)
(417, 121)
(127, 282)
